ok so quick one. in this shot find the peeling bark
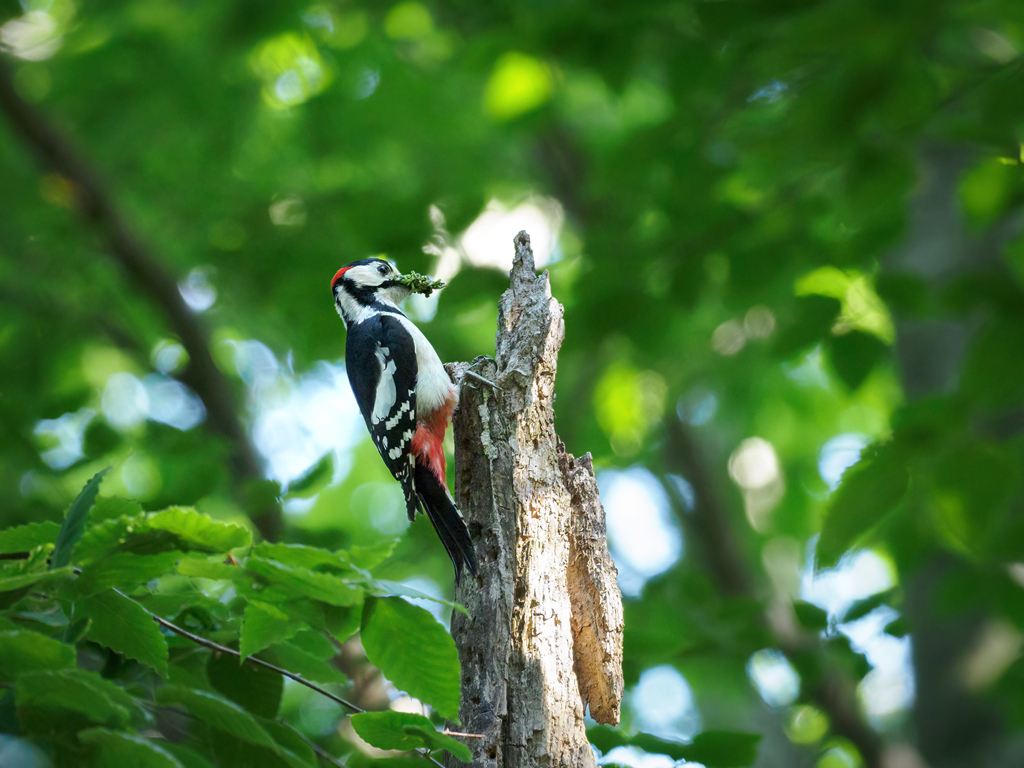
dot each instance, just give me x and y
(545, 638)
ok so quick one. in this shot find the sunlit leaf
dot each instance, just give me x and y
(74, 522)
(413, 651)
(123, 625)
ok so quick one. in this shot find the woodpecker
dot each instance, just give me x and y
(404, 394)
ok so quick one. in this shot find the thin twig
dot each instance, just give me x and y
(446, 732)
(266, 664)
(255, 660)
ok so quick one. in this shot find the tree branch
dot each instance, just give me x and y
(149, 275)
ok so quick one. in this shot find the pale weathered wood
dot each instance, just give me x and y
(545, 637)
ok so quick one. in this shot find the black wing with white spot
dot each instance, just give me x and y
(380, 357)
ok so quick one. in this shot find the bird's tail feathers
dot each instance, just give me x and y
(446, 519)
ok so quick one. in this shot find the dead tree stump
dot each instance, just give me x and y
(545, 638)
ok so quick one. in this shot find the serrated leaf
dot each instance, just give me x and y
(22, 538)
(124, 626)
(74, 521)
(313, 558)
(386, 730)
(200, 531)
(118, 749)
(302, 582)
(24, 651)
(314, 643)
(413, 651)
(342, 623)
(123, 569)
(217, 712)
(110, 507)
(384, 588)
(45, 697)
(264, 624)
(372, 555)
(252, 687)
(27, 574)
(203, 568)
(434, 739)
(869, 490)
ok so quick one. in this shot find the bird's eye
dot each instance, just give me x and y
(383, 269)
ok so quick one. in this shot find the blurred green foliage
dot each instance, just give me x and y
(784, 222)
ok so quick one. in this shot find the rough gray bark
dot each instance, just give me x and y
(545, 637)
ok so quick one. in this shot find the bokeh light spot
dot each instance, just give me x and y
(518, 84)
(645, 539)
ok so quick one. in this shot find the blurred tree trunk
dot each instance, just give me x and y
(954, 727)
(544, 640)
(153, 279)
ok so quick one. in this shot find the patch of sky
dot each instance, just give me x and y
(839, 454)
(774, 677)
(889, 687)
(644, 538)
(299, 418)
(68, 431)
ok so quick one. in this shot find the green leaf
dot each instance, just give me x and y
(217, 712)
(264, 624)
(302, 582)
(189, 758)
(898, 627)
(861, 608)
(123, 569)
(291, 746)
(715, 749)
(314, 480)
(118, 749)
(27, 573)
(342, 623)
(74, 521)
(854, 355)
(176, 528)
(413, 651)
(200, 531)
(371, 555)
(22, 538)
(300, 555)
(23, 651)
(870, 489)
(204, 568)
(723, 749)
(46, 697)
(434, 739)
(255, 688)
(810, 616)
(383, 588)
(124, 626)
(387, 730)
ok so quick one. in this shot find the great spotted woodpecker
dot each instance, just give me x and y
(404, 394)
